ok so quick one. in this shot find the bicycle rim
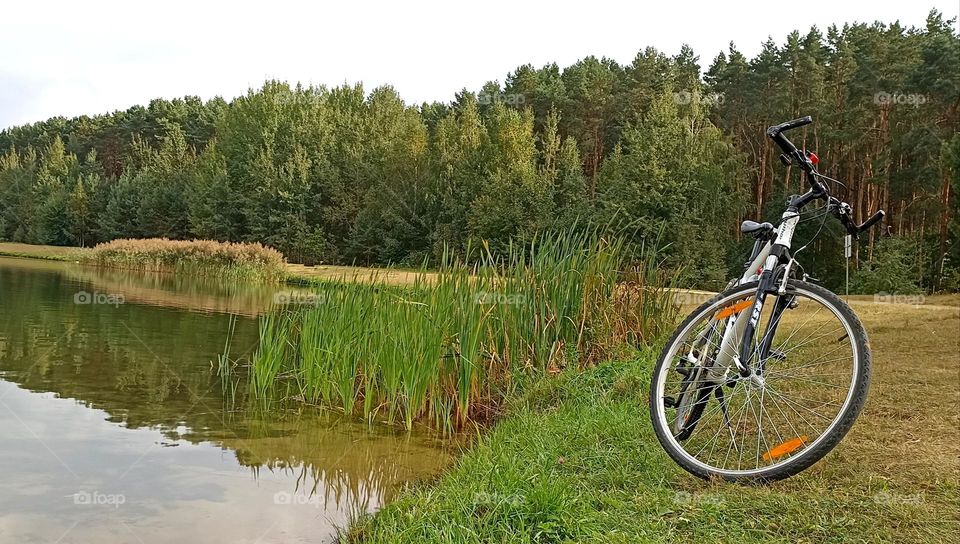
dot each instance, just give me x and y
(809, 382)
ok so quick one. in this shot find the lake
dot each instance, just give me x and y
(118, 427)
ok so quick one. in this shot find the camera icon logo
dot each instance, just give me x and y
(82, 497)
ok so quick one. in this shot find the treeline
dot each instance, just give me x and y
(342, 175)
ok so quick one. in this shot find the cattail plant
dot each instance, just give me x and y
(449, 350)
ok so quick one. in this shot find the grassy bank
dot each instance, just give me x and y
(49, 253)
(224, 260)
(448, 349)
(576, 461)
(295, 274)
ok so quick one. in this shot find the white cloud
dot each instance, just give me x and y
(70, 58)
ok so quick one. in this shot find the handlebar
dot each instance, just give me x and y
(775, 130)
(844, 213)
(873, 220)
(790, 152)
(818, 189)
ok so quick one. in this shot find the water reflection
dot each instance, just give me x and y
(162, 290)
(122, 400)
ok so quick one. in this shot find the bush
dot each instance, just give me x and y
(194, 257)
(891, 270)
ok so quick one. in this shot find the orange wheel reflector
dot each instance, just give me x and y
(734, 309)
(789, 446)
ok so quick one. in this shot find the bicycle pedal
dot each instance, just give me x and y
(685, 371)
(669, 402)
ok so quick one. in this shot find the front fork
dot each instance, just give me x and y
(736, 346)
(768, 284)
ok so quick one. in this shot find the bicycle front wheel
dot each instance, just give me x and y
(812, 360)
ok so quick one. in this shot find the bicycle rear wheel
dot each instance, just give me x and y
(812, 384)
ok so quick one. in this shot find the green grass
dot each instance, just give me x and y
(449, 348)
(577, 461)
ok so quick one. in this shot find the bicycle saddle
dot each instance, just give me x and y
(748, 227)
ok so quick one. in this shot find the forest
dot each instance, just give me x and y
(668, 151)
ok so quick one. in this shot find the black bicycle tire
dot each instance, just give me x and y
(808, 457)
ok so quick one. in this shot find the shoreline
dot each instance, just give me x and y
(296, 274)
(574, 458)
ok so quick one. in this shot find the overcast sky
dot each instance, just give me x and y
(71, 58)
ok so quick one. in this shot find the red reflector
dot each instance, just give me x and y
(813, 158)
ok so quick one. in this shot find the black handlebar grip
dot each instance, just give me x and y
(874, 219)
(789, 125)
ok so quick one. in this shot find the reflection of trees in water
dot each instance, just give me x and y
(335, 459)
(156, 289)
(172, 291)
(155, 367)
(145, 366)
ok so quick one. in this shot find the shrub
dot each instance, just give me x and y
(891, 270)
(194, 257)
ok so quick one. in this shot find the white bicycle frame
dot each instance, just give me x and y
(729, 352)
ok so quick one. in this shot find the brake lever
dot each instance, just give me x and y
(844, 213)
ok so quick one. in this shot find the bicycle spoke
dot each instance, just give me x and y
(805, 380)
(716, 435)
(805, 342)
(775, 372)
(810, 366)
(792, 404)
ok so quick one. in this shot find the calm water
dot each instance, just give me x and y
(117, 428)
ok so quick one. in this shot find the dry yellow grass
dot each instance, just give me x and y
(55, 253)
(391, 276)
(908, 432)
(296, 273)
(247, 261)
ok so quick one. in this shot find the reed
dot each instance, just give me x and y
(223, 260)
(450, 348)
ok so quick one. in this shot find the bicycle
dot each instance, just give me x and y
(786, 383)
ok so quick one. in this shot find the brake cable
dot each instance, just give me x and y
(828, 178)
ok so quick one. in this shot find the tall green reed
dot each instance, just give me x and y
(449, 349)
